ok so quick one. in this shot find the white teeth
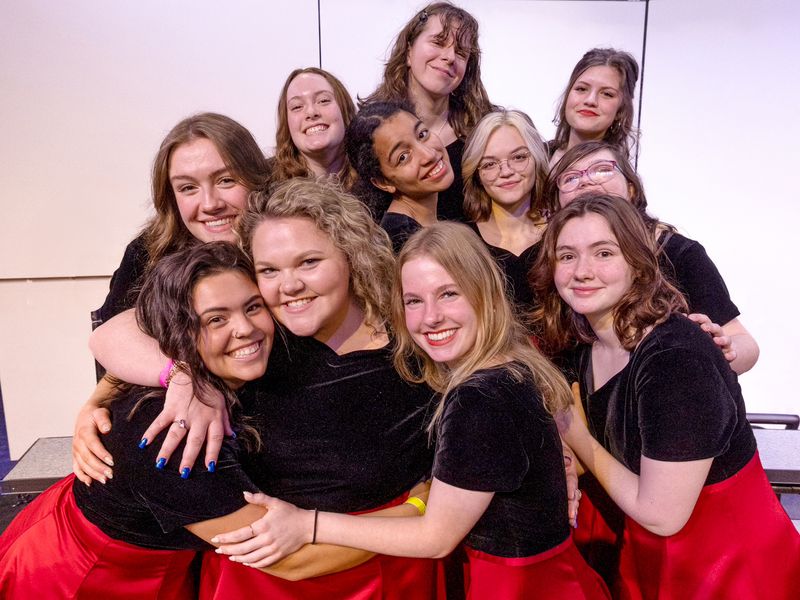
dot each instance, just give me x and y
(298, 303)
(220, 222)
(316, 129)
(436, 170)
(438, 336)
(242, 352)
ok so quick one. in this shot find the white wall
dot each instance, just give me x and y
(90, 88)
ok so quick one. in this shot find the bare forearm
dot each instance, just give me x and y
(124, 350)
(747, 352)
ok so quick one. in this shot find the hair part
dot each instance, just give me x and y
(469, 101)
(288, 161)
(650, 300)
(477, 202)
(501, 338)
(340, 216)
(165, 232)
(621, 133)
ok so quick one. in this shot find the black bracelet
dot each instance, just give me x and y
(314, 535)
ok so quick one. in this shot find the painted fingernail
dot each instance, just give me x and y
(233, 435)
(143, 443)
(108, 474)
(161, 462)
(185, 472)
(105, 428)
(103, 480)
(109, 461)
(212, 466)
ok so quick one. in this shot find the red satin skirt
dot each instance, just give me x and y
(601, 525)
(380, 578)
(51, 552)
(738, 544)
(558, 573)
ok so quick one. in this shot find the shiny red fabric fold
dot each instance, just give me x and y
(738, 543)
(559, 573)
(51, 552)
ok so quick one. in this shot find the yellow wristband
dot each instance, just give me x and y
(417, 503)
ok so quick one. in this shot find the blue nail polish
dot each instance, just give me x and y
(212, 466)
(185, 472)
(233, 435)
(143, 444)
(161, 462)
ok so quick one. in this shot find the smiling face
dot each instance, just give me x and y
(314, 118)
(435, 68)
(615, 184)
(413, 160)
(593, 102)
(236, 330)
(209, 199)
(303, 277)
(591, 274)
(511, 185)
(438, 316)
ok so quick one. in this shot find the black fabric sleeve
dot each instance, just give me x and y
(686, 412)
(478, 445)
(125, 282)
(698, 278)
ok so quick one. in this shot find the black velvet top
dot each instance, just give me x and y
(676, 400)
(450, 206)
(341, 433)
(688, 267)
(149, 507)
(126, 281)
(495, 435)
(400, 227)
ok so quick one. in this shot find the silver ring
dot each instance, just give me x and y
(181, 423)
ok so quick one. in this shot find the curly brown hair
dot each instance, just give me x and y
(288, 162)
(469, 101)
(346, 221)
(650, 300)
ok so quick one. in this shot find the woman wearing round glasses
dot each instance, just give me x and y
(505, 169)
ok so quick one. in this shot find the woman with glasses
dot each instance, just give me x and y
(505, 169)
(435, 64)
(600, 167)
(402, 163)
(661, 420)
(597, 167)
(597, 104)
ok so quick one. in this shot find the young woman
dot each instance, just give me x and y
(314, 110)
(400, 158)
(598, 102)
(667, 435)
(435, 65)
(136, 536)
(204, 169)
(599, 167)
(345, 432)
(498, 475)
(505, 169)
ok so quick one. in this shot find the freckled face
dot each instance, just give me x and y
(438, 316)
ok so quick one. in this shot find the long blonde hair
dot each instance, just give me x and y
(500, 337)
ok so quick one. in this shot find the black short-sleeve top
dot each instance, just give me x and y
(496, 436)
(126, 281)
(688, 267)
(149, 507)
(400, 227)
(341, 433)
(676, 400)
